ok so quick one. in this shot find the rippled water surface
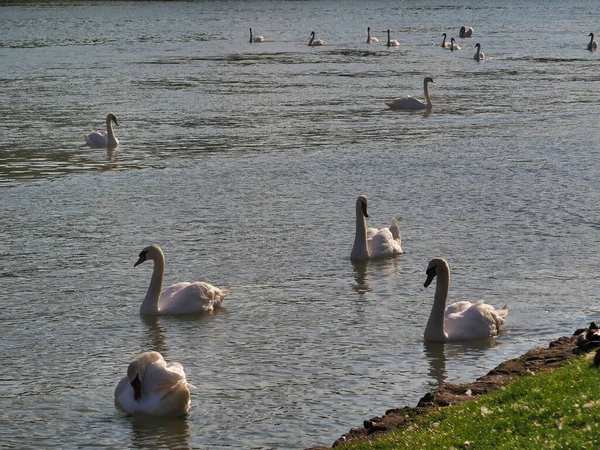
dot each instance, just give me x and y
(243, 162)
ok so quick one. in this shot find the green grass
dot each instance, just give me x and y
(558, 409)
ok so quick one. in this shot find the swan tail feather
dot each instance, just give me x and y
(225, 291)
(395, 229)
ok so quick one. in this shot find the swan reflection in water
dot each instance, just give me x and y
(365, 269)
(153, 432)
(156, 335)
(360, 276)
(438, 354)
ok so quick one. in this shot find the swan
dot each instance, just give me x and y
(390, 42)
(313, 43)
(256, 38)
(444, 43)
(479, 54)
(373, 243)
(593, 45)
(180, 298)
(411, 103)
(466, 32)
(461, 321)
(452, 45)
(101, 138)
(154, 387)
(371, 40)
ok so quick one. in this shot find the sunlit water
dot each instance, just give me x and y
(244, 163)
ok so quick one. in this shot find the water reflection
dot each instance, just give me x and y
(154, 432)
(360, 276)
(156, 334)
(438, 354)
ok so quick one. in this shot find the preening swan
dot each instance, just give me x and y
(593, 45)
(479, 54)
(371, 39)
(256, 38)
(390, 42)
(101, 138)
(154, 387)
(313, 42)
(466, 32)
(461, 321)
(411, 103)
(181, 298)
(373, 243)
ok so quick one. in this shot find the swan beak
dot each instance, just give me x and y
(429, 279)
(364, 209)
(136, 384)
(139, 261)
(115, 121)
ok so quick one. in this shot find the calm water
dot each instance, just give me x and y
(244, 163)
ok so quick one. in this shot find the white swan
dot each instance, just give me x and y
(313, 42)
(392, 42)
(411, 103)
(101, 138)
(466, 32)
(256, 38)
(479, 54)
(452, 45)
(371, 39)
(180, 298)
(461, 321)
(154, 387)
(373, 243)
(593, 45)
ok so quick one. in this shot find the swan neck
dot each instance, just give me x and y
(360, 249)
(150, 303)
(426, 91)
(435, 330)
(112, 140)
(389, 42)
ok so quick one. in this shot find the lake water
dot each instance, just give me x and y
(243, 162)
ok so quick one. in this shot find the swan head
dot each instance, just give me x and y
(111, 118)
(428, 80)
(150, 252)
(436, 266)
(137, 370)
(478, 45)
(361, 205)
(591, 35)
(312, 33)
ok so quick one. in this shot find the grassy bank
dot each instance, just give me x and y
(558, 409)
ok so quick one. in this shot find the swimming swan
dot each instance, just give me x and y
(593, 45)
(373, 243)
(452, 45)
(180, 298)
(461, 321)
(466, 32)
(313, 43)
(101, 138)
(371, 40)
(411, 103)
(390, 42)
(256, 38)
(154, 387)
(479, 54)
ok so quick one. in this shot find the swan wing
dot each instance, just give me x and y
(189, 298)
(472, 321)
(96, 139)
(406, 103)
(395, 230)
(381, 243)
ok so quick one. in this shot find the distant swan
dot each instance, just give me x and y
(256, 38)
(461, 321)
(101, 138)
(154, 387)
(411, 103)
(466, 32)
(373, 243)
(452, 45)
(479, 54)
(371, 40)
(180, 298)
(390, 42)
(313, 42)
(593, 45)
